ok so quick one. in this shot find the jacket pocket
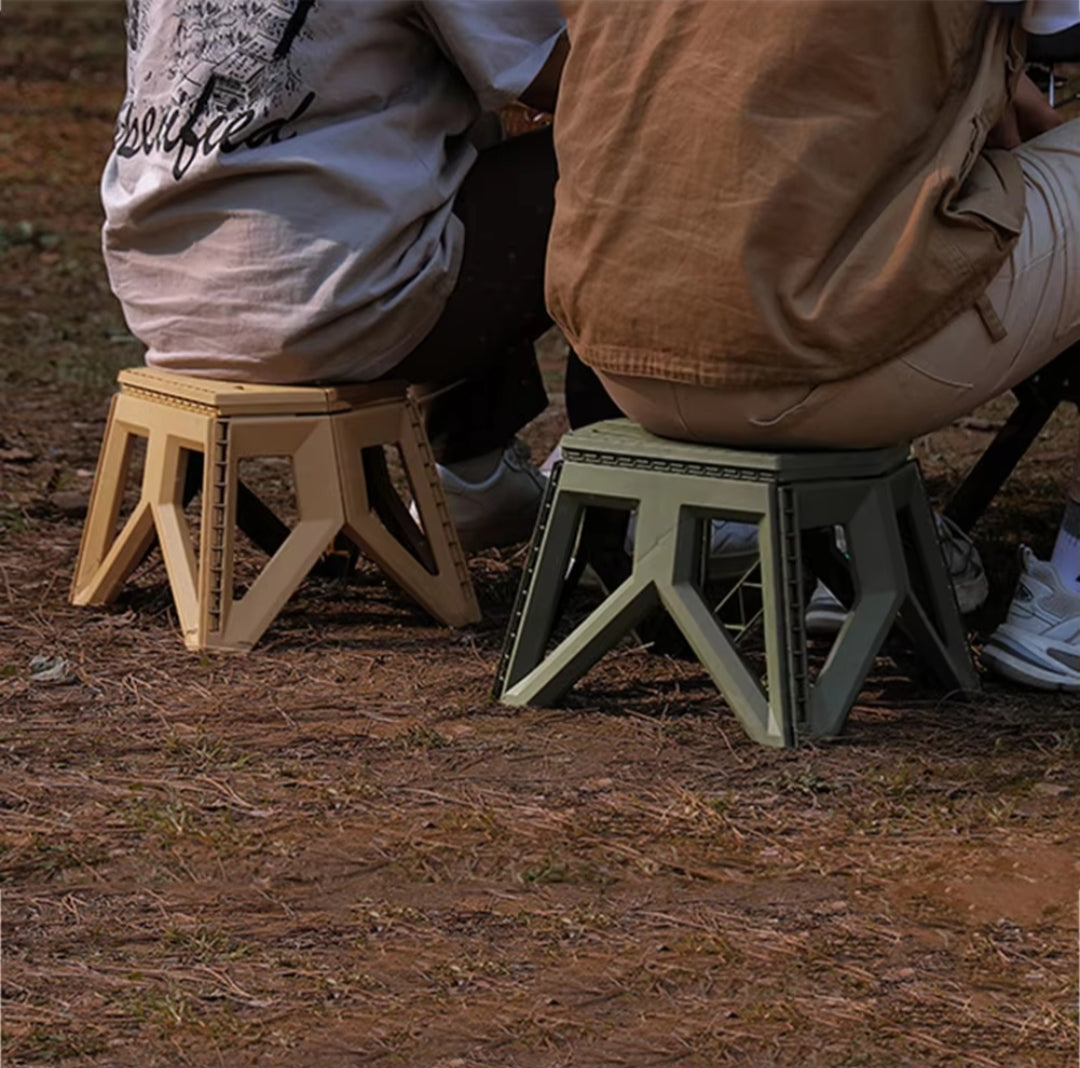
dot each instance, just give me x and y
(991, 190)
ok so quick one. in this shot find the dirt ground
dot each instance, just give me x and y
(339, 850)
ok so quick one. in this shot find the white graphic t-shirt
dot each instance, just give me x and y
(278, 200)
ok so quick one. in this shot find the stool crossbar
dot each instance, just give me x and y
(197, 431)
(894, 571)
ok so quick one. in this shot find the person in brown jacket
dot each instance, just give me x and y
(824, 224)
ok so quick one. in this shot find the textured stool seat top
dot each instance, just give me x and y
(252, 398)
(622, 443)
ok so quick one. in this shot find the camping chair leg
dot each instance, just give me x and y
(996, 464)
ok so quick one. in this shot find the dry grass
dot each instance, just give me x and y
(340, 851)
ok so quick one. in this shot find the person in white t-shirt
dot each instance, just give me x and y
(294, 196)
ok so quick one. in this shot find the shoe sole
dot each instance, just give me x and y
(731, 564)
(1013, 661)
(824, 621)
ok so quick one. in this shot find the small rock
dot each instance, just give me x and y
(54, 670)
(831, 908)
(70, 503)
(900, 975)
(1052, 789)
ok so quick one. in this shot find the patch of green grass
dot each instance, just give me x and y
(13, 520)
(53, 1044)
(169, 820)
(549, 870)
(203, 752)
(203, 945)
(806, 782)
(163, 1010)
(419, 738)
(46, 856)
(466, 972)
(30, 233)
(1066, 742)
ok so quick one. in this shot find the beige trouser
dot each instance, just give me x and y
(1036, 296)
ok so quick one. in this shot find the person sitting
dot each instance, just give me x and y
(812, 223)
(294, 196)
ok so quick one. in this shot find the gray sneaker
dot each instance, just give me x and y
(1039, 642)
(500, 510)
(964, 564)
(825, 614)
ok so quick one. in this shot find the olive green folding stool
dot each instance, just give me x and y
(893, 571)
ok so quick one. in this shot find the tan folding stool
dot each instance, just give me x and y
(334, 438)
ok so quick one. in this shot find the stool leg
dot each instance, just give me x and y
(580, 650)
(876, 558)
(430, 567)
(929, 614)
(163, 486)
(128, 550)
(454, 600)
(237, 624)
(105, 557)
(718, 654)
(526, 677)
(391, 510)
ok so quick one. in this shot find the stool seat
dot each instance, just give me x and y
(251, 398)
(893, 571)
(197, 431)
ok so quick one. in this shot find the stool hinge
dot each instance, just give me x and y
(219, 488)
(518, 612)
(795, 624)
(171, 401)
(420, 438)
(645, 463)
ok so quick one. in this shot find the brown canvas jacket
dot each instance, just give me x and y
(774, 192)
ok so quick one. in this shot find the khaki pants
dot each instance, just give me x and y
(1036, 296)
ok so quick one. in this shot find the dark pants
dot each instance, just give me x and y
(477, 369)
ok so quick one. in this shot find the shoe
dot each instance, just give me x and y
(825, 614)
(964, 564)
(733, 547)
(500, 510)
(1039, 642)
(554, 457)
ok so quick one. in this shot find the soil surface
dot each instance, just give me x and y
(339, 850)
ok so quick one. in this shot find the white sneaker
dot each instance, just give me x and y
(825, 614)
(500, 510)
(1039, 642)
(733, 546)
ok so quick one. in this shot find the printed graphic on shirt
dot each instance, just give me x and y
(229, 82)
